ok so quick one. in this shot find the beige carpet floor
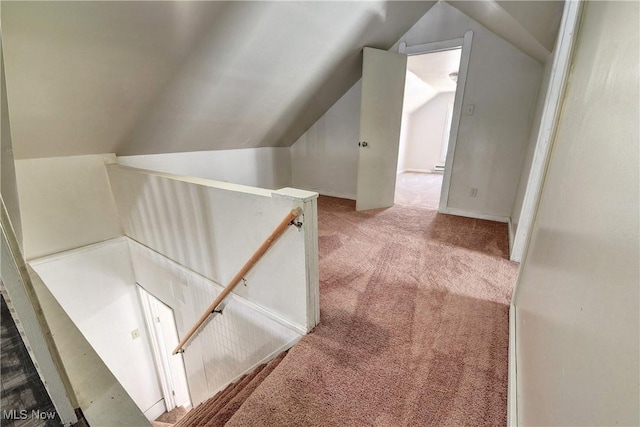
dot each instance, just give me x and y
(414, 325)
(418, 189)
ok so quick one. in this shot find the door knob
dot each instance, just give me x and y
(363, 144)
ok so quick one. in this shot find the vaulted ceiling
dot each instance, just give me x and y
(152, 77)
(91, 77)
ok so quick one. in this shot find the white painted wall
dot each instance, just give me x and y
(325, 158)
(65, 203)
(213, 228)
(229, 344)
(402, 146)
(267, 167)
(16, 289)
(103, 400)
(425, 134)
(530, 147)
(501, 84)
(161, 77)
(95, 286)
(416, 93)
(577, 299)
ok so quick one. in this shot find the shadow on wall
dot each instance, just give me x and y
(219, 92)
(214, 228)
(159, 203)
(228, 344)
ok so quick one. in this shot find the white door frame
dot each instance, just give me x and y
(566, 39)
(550, 113)
(465, 54)
(163, 367)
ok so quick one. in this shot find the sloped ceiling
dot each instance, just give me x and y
(155, 77)
(531, 26)
(434, 68)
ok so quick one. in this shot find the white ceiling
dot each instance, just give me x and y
(133, 77)
(155, 77)
(416, 93)
(531, 26)
(434, 68)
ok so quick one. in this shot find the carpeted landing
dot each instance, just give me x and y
(414, 325)
(215, 412)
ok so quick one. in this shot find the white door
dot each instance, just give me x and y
(164, 338)
(383, 75)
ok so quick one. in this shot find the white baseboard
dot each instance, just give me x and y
(512, 388)
(416, 170)
(476, 215)
(155, 410)
(326, 193)
(338, 195)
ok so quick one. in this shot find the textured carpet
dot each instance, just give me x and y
(418, 189)
(414, 325)
(173, 416)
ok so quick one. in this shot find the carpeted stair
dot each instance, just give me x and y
(220, 408)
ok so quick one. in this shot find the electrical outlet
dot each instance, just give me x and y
(473, 192)
(135, 334)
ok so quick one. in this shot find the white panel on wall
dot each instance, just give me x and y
(213, 228)
(229, 344)
(95, 286)
(65, 203)
(268, 167)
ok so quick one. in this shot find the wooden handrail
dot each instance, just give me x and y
(291, 216)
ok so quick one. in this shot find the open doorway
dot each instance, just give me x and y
(163, 335)
(381, 106)
(429, 97)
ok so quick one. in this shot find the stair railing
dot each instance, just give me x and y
(277, 232)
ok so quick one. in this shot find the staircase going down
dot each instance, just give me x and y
(220, 408)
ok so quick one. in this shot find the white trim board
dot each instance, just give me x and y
(551, 111)
(455, 120)
(510, 235)
(416, 170)
(337, 195)
(331, 193)
(512, 389)
(75, 251)
(23, 302)
(567, 36)
(155, 410)
(438, 46)
(476, 215)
